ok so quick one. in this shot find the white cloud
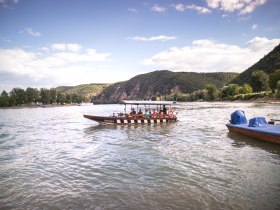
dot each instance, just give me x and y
(212, 56)
(158, 8)
(200, 10)
(254, 27)
(242, 6)
(181, 8)
(52, 66)
(262, 45)
(66, 47)
(153, 38)
(252, 6)
(32, 33)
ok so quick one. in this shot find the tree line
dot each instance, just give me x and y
(261, 84)
(33, 96)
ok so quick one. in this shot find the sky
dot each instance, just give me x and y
(50, 43)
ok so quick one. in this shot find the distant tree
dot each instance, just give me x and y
(4, 99)
(61, 99)
(245, 89)
(230, 90)
(212, 92)
(273, 79)
(45, 96)
(68, 98)
(53, 95)
(259, 81)
(32, 95)
(278, 89)
(18, 96)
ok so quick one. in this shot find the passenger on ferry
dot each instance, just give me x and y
(154, 114)
(140, 111)
(133, 111)
(164, 109)
(147, 114)
(161, 114)
(170, 112)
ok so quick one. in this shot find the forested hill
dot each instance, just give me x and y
(268, 64)
(86, 91)
(160, 83)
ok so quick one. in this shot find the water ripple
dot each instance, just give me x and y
(55, 159)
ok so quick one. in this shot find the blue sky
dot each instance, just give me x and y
(48, 43)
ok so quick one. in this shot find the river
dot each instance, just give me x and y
(53, 158)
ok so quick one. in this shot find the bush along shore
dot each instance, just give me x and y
(32, 97)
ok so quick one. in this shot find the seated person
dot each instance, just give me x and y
(133, 111)
(164, 109)
(154, 114)
(147, 114)
(170, 112)
(140, 111)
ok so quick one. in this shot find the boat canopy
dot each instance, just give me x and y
(148, 102)
(238, 117)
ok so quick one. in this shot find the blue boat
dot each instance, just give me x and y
(256, 127)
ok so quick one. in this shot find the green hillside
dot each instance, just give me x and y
(160, 83)
(87, 91)
(268, 64)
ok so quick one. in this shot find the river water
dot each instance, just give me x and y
(53, 158)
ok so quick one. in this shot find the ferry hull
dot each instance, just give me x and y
(274, 138)
(129, 120)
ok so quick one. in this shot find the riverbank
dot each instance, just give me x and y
(39, 106)
(266, 100)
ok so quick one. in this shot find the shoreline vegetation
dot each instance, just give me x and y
(262, 87)
(264, 100)
(24, 106)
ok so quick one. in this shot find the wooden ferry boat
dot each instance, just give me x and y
(256, 128)
(154, 112)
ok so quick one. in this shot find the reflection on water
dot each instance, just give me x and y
(55, 159)
(243, 141)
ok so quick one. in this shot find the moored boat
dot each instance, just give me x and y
(155, 112)
(256, 127)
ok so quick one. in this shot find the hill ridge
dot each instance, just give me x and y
(269, 63)
(161, 83)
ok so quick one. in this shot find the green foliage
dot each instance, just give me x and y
(45, 96)
(250, 96)
(32, 95)
(269, 63)
(4, 99)
(245, 89)
(229, 90)
(212, 93)
(53, 95)
(84, 92)
(259, 81)
(278, 89)
(18, 96)
(273, 79)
